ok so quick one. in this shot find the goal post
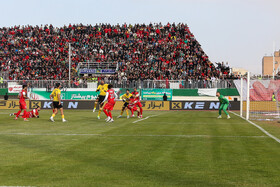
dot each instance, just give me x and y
(259, 98)
(248, 96)
(241, 97)
(244, 94)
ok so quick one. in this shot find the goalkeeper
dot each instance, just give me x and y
(223, 105)
(125, 97)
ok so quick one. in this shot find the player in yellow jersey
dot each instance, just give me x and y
(102, 88)
(125, 97)
(55, 96)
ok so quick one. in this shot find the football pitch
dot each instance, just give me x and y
(165, 148)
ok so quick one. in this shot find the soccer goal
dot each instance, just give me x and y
(259, 98)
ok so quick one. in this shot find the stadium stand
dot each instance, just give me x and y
(153, 51)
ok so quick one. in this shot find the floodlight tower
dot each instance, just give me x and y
(273, 61)
(69, 71)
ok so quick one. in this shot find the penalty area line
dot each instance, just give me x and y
(264, 131)
(144, 118)
(133, 135)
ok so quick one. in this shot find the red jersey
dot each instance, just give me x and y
(31, 113)
(35, 111)
(111, 96)
(22, 96)
(132, 102)
(136, 93)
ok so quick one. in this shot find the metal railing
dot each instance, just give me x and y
(181, 84)
(178, 84)
(96, 66)
(48, 84)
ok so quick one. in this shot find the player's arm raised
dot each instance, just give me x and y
(106, 97)
(116, 96)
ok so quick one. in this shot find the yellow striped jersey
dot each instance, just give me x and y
(126, 97)
(55, 94)
(103, 89)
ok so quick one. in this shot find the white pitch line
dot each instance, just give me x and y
(143, 118)
(133, 135)
(184, 123)
(140, 119)
(264, 131)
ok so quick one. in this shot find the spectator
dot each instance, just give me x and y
(164, 97)
(145, 52)
(6, 97)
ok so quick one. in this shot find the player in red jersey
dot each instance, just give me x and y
(132, 105)
(31, 114)
(22, 104)
(138, 103)
(111, 97)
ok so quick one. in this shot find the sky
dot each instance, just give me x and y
(240, 32)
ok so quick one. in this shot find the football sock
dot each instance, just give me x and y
(132, 113)
(127, 113)
(62, 116)
(99, 112)
(121, 112)
(53, 115)
(106, 113)
(24, 114)
(110, 114)
(141, 111)
(18, 113)
(95, 105)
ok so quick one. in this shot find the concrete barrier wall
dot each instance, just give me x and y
(147, 105)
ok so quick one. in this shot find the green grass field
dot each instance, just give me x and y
(170, 148)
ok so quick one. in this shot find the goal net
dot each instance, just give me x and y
(260, 98)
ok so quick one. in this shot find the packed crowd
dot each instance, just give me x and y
(153, 51)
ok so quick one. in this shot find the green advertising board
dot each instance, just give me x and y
(67, 95)
(70, 94)
(156, 94)
(82, 95)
